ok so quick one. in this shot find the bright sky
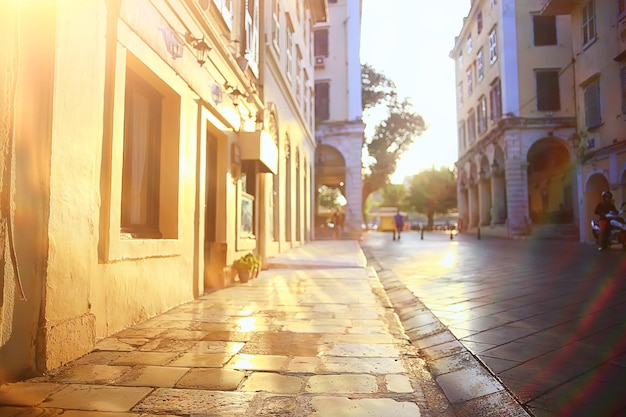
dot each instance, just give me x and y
(409, 41)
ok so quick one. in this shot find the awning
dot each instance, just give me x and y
(259, 146)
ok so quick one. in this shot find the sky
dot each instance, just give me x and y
(409, 41)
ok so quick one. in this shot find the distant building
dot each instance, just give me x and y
(599, 64)
(516, 116)
(338, 109)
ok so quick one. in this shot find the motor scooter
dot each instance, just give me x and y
(617, 229)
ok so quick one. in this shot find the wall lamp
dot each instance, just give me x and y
(199, 44)
(235, 93)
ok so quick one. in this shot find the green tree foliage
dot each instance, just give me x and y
(392, 136)
(394, 195)
(329, 197)
(376, 88)
(433, 191)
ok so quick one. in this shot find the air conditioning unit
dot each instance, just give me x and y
(320, 61)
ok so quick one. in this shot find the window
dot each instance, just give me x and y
(276, 24)
(298, 75)
(495, 100)
(459, 92)
(320, 46)
(462, 137)
(622, 78)
(225, 7)
(547, 90)
(593, 115)
(481, 112)
(492, 4)
(589, 23)
(252, 33)
(481, 67)
(469, 44)
(493, 46)
(471, 126)
(151, 119)
(289, 52)
(322, 100)
(470, 81)
(544, 30)
(479, 21)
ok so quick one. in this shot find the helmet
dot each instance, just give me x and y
(607, 194)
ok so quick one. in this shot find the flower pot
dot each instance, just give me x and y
(244, 276)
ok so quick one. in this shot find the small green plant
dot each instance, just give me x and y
(245, 263)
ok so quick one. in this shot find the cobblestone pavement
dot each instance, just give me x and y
(315, 335)
(546, 318)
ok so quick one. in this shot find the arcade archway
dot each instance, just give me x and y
(550, 190)
(330, 180)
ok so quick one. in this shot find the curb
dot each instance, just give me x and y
(456, 394)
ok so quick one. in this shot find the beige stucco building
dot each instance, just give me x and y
(339, 126)
(145, 145)
(599, 62)
(516, 114)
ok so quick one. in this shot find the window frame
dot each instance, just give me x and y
(276, 25)
(322, 101)
(591, 90)
(495, 100)
(588, 25)
(320, 43)
(544, 30)
(481, 115)
(480, 65)
(493, 46)
(547, 91)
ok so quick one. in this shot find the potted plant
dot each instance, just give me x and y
(244, 267)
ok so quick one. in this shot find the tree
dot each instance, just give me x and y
(394, 195)
(433, 191)
(329, 197)
(393, 135)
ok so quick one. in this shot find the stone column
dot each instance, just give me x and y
(473, 206)
(484, 203)
(498, 198)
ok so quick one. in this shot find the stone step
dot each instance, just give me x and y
(555, 232)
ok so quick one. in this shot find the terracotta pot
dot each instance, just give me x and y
(244, 276)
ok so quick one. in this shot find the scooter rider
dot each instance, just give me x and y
(603, 208)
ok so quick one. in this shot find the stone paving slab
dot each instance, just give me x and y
(306, 341)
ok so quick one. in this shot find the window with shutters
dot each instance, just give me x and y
(320, 43)
(481, 111)
(547, 90)
(322, 100)
(593, 113)
(495, 100)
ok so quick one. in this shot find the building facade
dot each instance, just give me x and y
(599, 61)
(516, 115)
(145, 146)
(338, 109)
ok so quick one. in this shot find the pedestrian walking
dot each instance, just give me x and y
(398, 222)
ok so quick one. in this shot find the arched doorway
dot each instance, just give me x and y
(550, 190)
(330, 180)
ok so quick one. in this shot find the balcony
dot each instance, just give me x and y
(559, 7)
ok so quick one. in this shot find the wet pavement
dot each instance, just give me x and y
(545, 318)
(314, 335)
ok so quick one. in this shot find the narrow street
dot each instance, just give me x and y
(546, 318)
